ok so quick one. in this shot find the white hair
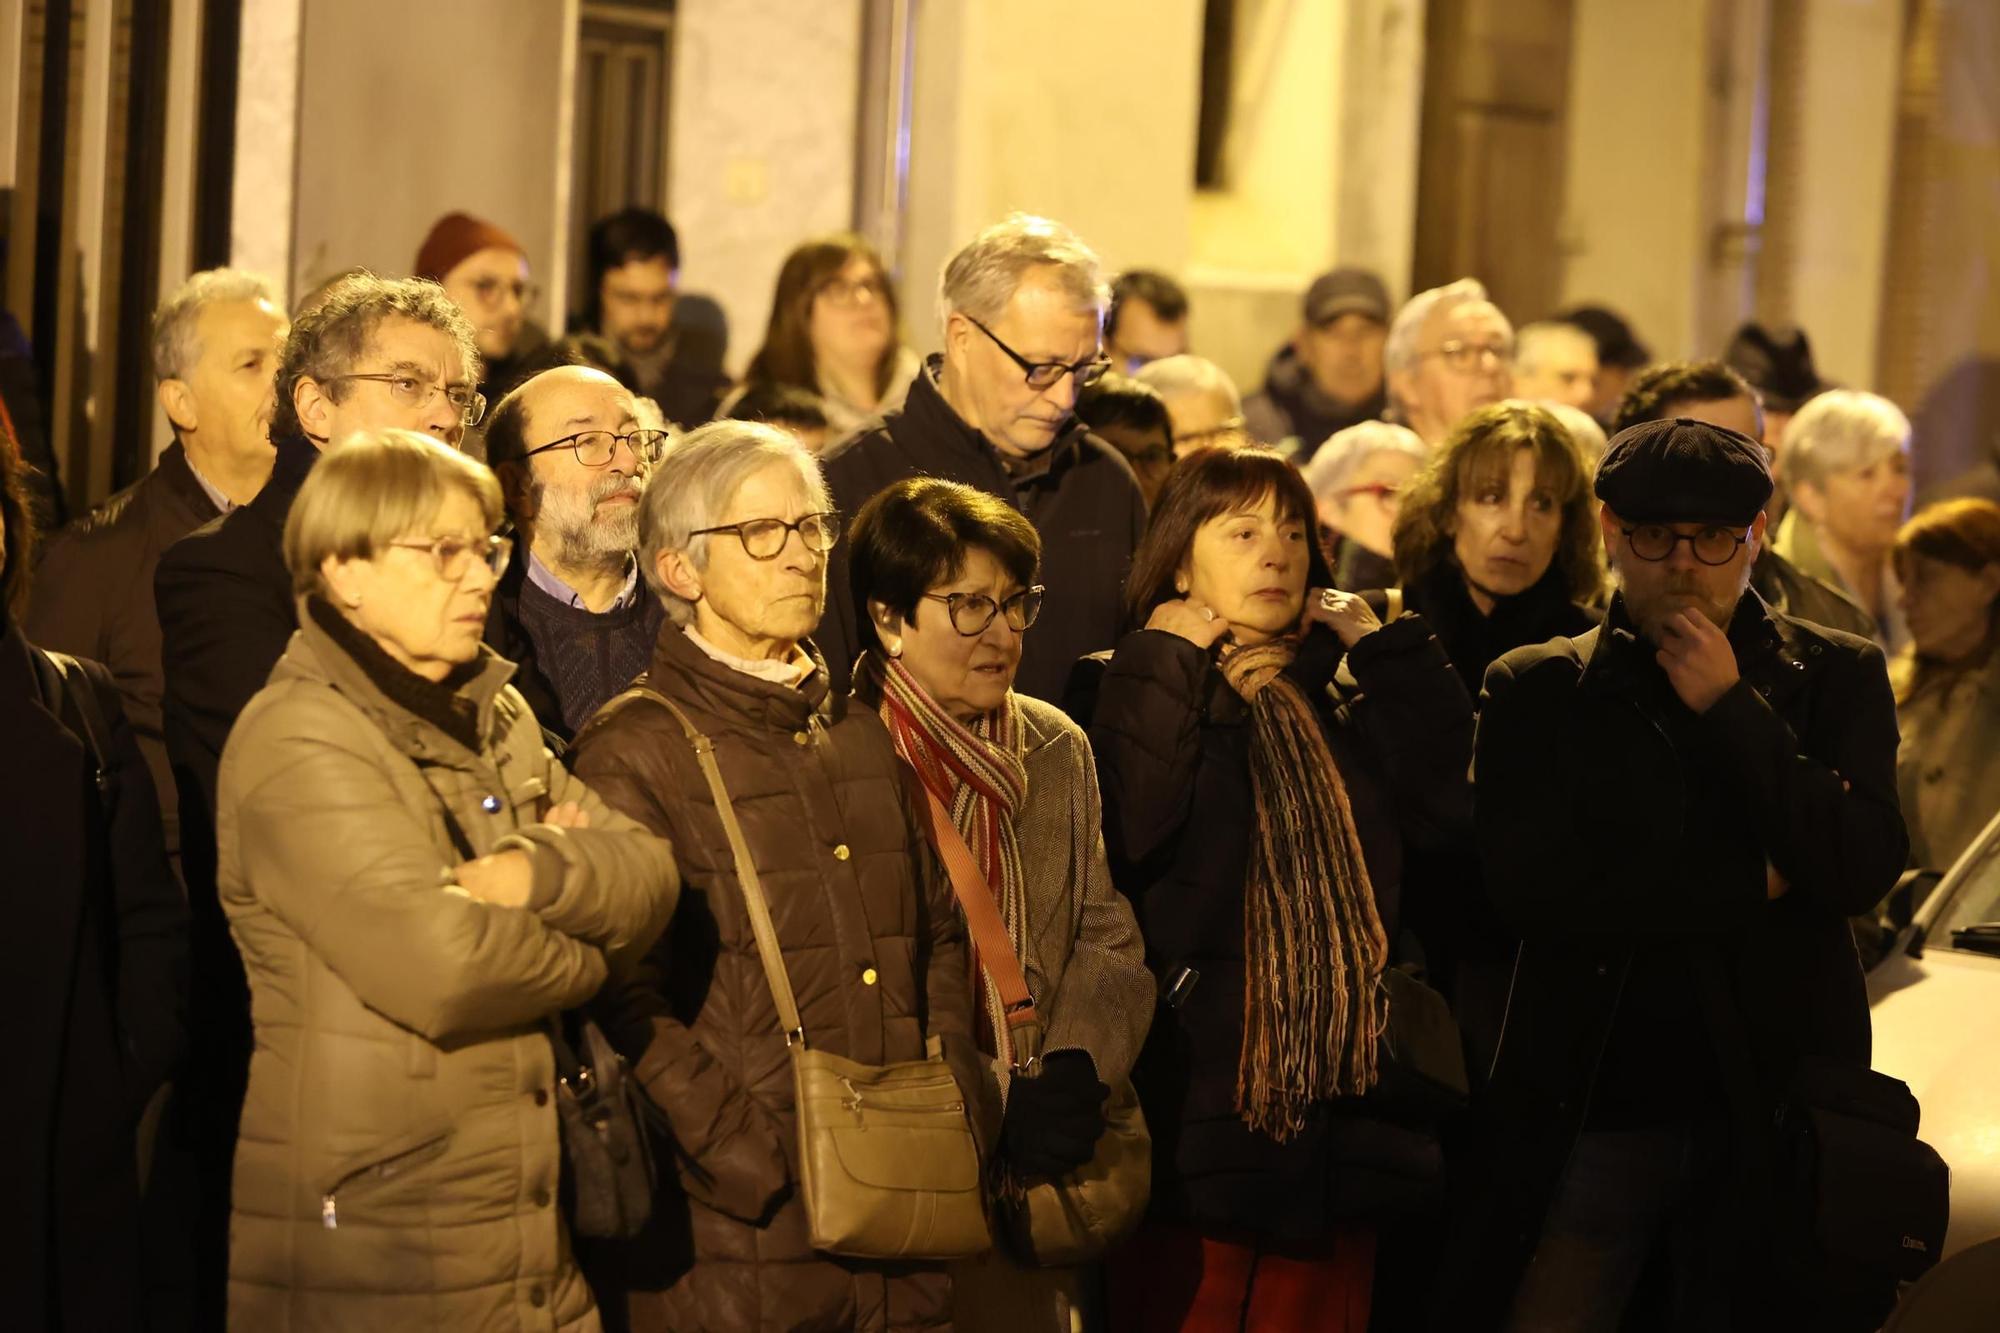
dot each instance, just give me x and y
(1173, 376)
(175, 347)
(1530, 340)
(1583, 429)
(980, 279)
(692, 485)
(1400, 352)
(1345, 450)
(1838, 431)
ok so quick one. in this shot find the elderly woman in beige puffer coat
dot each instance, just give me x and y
(416, 887)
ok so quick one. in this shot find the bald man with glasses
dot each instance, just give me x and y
(1023, 311)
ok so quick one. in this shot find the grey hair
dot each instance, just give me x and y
(692, 485)
(1530, 339)
(1345, 450)
(1589, 437)
(1400, 352)
(175, 347)
(980, 279)
(1172, 376)
(1838, 431)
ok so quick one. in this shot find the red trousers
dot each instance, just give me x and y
(1177, 1280)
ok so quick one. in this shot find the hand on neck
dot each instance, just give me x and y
(236, 476)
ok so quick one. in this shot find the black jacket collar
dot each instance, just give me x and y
(927, 416)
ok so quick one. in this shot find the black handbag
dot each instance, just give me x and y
(1863, 1201)
(608, 1168)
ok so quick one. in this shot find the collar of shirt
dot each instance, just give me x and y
(216, 497)
(789, 673)
(551, 583)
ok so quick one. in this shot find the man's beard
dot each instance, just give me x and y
(1652, 615)
(583, 538)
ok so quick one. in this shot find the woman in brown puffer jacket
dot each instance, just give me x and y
(416, 887)
(733, 532)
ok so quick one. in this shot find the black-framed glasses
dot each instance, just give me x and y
(764, 538)
(417, 394)
(596, 448)
(972, 612)
(453, 556)
(1047, 374)
(1712, 545)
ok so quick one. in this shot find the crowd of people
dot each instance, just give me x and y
(1391, 841)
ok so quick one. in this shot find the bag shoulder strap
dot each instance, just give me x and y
(746, 868)
(982, 915)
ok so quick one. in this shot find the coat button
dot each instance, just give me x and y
(537, 1297)
(800, 738)
(541, 1096)
(867, 976)
(1798, 666)
(541, 1198)
(490, 804)
(841, 853)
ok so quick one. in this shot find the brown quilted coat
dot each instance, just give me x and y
(875, 954)
(397, 1161)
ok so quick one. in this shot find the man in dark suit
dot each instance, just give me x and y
(1024, 306)
(368, 353)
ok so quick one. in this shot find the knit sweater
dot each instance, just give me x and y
(587, 656)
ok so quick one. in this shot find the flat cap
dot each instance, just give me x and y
(1684, 471)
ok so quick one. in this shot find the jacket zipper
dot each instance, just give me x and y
(329, 1211)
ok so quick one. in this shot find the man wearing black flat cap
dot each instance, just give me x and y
(1678, 812)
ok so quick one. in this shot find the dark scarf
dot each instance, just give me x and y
(1314, 946)
(1474, 639)
(436, 702)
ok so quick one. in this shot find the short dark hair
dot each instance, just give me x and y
(330, 334)
(914, 535)
(779, 405)
(1168, 298)
(617, 240)
(1656, 390)
(18, 514)
(1205, 485)
(1120, 400)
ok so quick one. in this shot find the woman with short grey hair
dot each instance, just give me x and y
(1845, 463)
(1357, 479)
(734, 532)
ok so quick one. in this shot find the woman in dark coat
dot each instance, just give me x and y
(1258, 826)
(95, 991)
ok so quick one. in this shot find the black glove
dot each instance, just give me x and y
(1054, 1119)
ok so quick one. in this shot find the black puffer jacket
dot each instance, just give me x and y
(1173, 751)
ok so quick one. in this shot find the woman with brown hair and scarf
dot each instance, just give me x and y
(946, 575)
(1257, 820)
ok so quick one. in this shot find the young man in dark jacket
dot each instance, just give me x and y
(1678, 811)
(1024, 308)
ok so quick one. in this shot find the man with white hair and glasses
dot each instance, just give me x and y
(1450, 350)
(1022, 308)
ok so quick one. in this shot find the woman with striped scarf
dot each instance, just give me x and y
(946, 575)
(1256, 813)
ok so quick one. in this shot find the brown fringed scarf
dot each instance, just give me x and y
(981, 775)
(1313, 944)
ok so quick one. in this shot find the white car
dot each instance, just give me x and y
(1936, 1005)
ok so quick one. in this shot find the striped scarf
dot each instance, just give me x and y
(980, 775)
(1313, 944)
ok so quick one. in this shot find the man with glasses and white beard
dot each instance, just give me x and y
(572, 454)
(1023, 312)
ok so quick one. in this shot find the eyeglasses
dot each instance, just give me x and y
(1711, 545)
(417, 394)
(972, 612)
(596, 448)
(1464, 356)
(1389, 497)
(1230, 427)
(489, 290)
(453, 556)
(764, 538)
(842, 292)
(1045, 374)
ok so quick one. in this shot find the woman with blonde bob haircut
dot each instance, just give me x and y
(417, 888)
